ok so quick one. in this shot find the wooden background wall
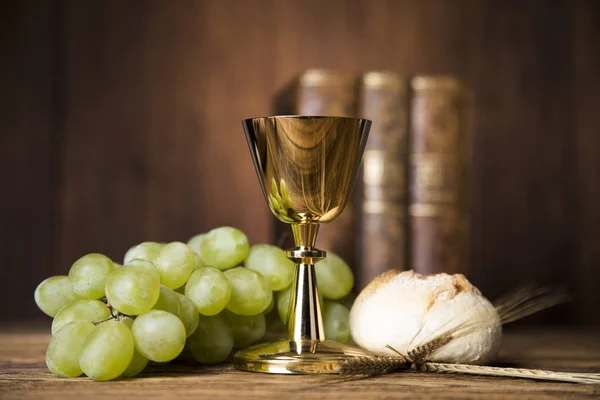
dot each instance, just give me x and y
(120, 122)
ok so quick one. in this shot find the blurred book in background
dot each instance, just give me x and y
(381, 186)
(440, 113)
(328, 93)
(408, 210)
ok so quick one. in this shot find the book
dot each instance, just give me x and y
(438, 155)
(328, 93)
(381, 187)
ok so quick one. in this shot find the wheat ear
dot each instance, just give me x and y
(421, 352)
(574, 377)
(374, 365)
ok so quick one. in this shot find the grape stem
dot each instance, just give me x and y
(116, 314)
(103, 320)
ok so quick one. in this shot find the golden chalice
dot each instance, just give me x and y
(306, 167)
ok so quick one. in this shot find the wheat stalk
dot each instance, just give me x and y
(575, 377)
(527, 301)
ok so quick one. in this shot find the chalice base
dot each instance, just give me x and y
(288, 356)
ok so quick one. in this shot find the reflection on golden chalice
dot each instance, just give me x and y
(306, 167)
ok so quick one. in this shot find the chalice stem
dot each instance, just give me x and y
(304, 317)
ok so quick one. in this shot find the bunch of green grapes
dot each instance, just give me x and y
(176, 299)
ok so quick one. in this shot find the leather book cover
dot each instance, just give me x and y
(381, 186)
(438, 165)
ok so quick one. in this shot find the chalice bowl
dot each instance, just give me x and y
(306, 166)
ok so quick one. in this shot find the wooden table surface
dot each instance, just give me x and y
(23, 375)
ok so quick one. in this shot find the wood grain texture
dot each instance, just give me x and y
(121, 123)
(586, 185)
(158, 153)
(29, 150)
(23, 375)
(524, 221)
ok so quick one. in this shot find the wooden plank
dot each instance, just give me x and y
(23, 375)
(523, 228)
(30, 149)
(154, 144)
(148, 144)
(586, 61)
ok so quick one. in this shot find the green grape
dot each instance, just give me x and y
(224, 248)
(250, 292)
(159, 336)
(187, 314)
(195, 241)
(336, 322)
(132, 290)
(148, 265)
(212, 341)
(137, 365)
(275, 329)
(53, 294)
(186, 355)
(175, 264)
(209, 290)
(194, 245)
(198, 263)
(146, 251)
(334, 277)
(88, 310)
(138, 362)
(348, 300)
(283, 303)
(168, 301)
(271, 306)
(127, 321)
(62, 356)
(272, 263)
(107, 351)
(117, 265)
(247, 329)
(88, 275)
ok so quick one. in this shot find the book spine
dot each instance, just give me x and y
(438, 155)
(381, 188)
(327, 93)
